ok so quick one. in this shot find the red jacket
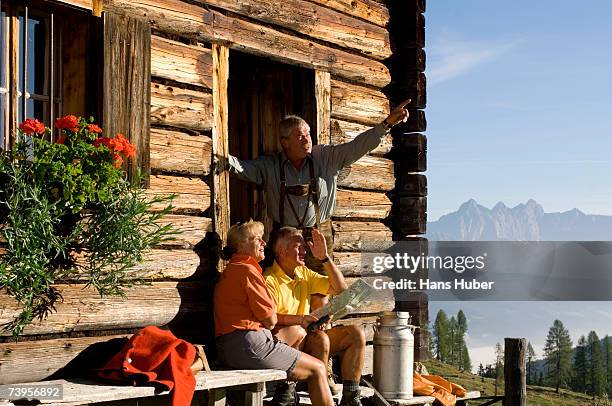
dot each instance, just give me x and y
(155, 356)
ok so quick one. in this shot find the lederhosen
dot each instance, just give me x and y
(312, 195)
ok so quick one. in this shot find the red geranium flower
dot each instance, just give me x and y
(68, 122)
(94, 128)
(61, 139)
(118, 161)
(32, 126)
(102, 141)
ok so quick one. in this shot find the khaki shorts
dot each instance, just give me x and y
(249, 349)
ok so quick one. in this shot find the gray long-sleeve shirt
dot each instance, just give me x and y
(328, 160)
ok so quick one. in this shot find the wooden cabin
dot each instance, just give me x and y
(189, 81)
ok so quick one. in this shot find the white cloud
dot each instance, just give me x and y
(450, 56)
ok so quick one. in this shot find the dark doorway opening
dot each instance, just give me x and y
(260, 93)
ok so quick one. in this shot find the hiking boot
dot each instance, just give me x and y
(335, 388)
(286, 394)
(350, 399)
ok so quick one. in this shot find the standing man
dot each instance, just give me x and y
(301, 181)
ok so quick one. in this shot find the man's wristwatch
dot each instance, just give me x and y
(324, 260)
(386, 124)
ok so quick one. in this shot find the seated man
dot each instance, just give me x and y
(291, 285)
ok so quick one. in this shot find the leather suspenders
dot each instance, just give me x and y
(311, 194)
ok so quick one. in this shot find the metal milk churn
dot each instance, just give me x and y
(393, 355)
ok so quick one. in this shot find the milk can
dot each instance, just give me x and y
(393, 355)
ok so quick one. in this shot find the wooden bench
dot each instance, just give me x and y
(429, 400)
(84, 392)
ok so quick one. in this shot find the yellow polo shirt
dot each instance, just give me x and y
(292, 296)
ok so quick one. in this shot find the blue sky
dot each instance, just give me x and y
(519, 104)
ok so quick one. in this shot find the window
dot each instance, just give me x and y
(30, 68)
(43, 63)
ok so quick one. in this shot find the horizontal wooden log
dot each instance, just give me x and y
(368, 10)
(180, 62)
(171, 264)
(409, 152)
(355, 264)
(416, 123)
(408, 215)
(344, 131)
(193, 229)
(361, 204)
(407, 60)
(84, 4)
(409, 84)
(350, 235)
(29, 361)
(157, 264)
(410, 184)
(192, 194)
(406, 26)
(316, 21)
(183, 108)
(358, 103)
(368, 172)
(179, 152)
(192, 21)
(83, 309)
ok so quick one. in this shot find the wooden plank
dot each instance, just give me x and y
(361, 204)
(183, 108)
(179, 152)
(193, 229)
(515, 377)
(83, 309)
(126, 86)
(28, 361)
(192, 21)
(345, 131)
(81, 391)
(180, 62)
(84, 4)
(323, 102)
(358, 103)
(192, 194)
(368, 10)
(350, 235)
(316, 21)
(368, 172)
(220, 141)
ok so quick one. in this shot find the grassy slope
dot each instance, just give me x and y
(536, 395)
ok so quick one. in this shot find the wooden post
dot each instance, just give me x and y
(323, 101)
(220, 138)
(514, 372)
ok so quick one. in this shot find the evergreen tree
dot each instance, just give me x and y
(463, 357)
(558, 354)
(581, 366)
(531, 356)
(499, 368)
(481, 370)
(597, 376)
(466, 362)
(453, 353)
(440, 338)
(607, 347)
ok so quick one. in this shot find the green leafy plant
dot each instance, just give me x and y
(67, 212)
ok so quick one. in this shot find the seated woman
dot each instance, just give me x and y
(245, 313)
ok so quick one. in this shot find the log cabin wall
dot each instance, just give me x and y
(366, 58)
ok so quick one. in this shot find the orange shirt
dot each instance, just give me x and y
(241, 297)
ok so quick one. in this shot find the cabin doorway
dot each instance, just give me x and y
(260, 93)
